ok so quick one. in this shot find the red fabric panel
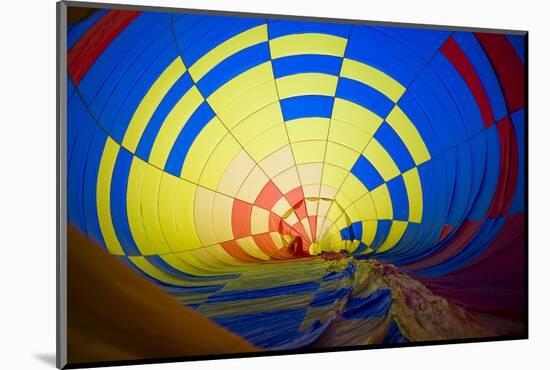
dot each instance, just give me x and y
(445, 231)
(494, 282)
(506, 186)
(299, 227)
(91, 45)
(460, 61)
(313, 226)
(235, 251)
(241, 219)
(269, 195)
(508, 67)
(458, 242)
(301, 210)
(266, 244)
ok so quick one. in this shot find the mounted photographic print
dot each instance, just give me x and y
(236, 185)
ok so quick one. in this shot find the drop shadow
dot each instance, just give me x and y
(46, 358)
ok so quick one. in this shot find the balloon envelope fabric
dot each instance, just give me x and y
(305, 183)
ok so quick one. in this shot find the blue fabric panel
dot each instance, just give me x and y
(237, 295)
(306, 63)
(307, 106)
(375, 305)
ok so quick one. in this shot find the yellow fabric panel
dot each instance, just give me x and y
(353, 188)
(324, 228)
(150, 210)
(320, 222)
(369, 231)
(278, 161)
(341, 156)
(310, 173)
(381, 160)
(150, 102)
(247, 103)
(281, 207)
(365, 207)
(350, 245)
(195, 257)
(307, 228)
(334, 233)
(204, 202)
(221, 255)
(258, 122)
(354, 216)
(204, 254)
(357, 115)
(327, 191)
(343, 199)
(333, 176)
(372, 77)
(235, 173)
(181, 264)
(309, 151)
(227, 48)
(220, 158)
(307, 43)
(156, 273)
(184, 215)
(166, 210)
(259, 222)
(204, 143)
(133, 207)
(396, 233)
(382, 201)
(103, 197)
(250, 247)
(172, 126)
(323, 207)
(311, 207)
(309, 128)
(414, 194)
(311, 191)
(221, 217)
(399, 121)
(268, 142)
(277, 239)
(287, 180)
(306, 84)
(237, 86)
(332, 243)
(348, 135)
(292, 219)
(252, 186)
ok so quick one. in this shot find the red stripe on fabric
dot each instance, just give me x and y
(91, 45)
(460, 61)
(506, 186)
(508, 67)
(275, 222)
(235, 251)
(445, 231)
(241, 216)
(313, 226)
(295, 196)
(494, 282)
(283, 254)
(269, 195)
(300, 210)
(266, 244)
(299, 227)
(458, 242)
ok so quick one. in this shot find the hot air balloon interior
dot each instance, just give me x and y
(238, 184)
